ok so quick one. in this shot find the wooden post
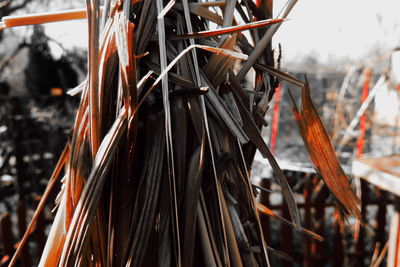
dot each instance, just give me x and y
(21, 214)
(7, 236)
(360, 238)
(380, 219)
(286, 231)
(307, 220)
(40, 234)
(17, 120)
(338, 253)
(317, 248)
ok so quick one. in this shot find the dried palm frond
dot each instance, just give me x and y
(158, 167)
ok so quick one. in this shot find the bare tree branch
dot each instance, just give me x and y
(4, 4)
(4, 62)
(15, 8)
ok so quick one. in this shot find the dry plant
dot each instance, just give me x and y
(157, 172)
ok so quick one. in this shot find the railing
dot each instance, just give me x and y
(12, 228)
(346, 243)
(342, 246)
(33, 134)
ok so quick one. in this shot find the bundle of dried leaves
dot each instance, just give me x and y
(157, 170)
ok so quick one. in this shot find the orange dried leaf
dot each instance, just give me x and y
(230, 30)
(40, 18)
(263, 209)
(323, 155)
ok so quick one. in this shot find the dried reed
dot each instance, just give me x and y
(157, 172)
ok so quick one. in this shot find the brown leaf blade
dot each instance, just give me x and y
(323, 155)
(230, 30)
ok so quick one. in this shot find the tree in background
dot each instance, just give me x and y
(7, 7)
(43, 72)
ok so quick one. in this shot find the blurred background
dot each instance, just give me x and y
(344, 48)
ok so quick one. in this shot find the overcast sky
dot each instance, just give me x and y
(325, 28)
(339, 28)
